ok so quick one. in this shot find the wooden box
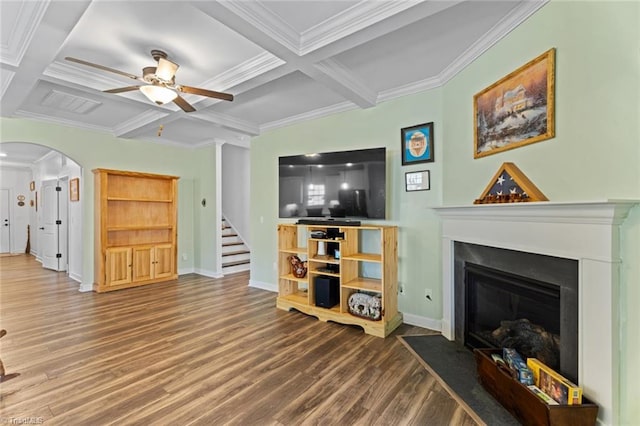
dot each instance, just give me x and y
(522, 402)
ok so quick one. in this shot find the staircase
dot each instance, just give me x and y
(235, 253)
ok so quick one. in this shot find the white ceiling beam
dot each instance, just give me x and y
(329, 40)
(47, 36)
(256, 23)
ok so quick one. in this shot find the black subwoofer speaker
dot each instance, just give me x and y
(327, 291)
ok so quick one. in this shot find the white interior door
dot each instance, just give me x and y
(5, 223)
(63, 228)
(50, 225)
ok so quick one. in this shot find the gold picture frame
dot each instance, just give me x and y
(74, 189)
(517, 110)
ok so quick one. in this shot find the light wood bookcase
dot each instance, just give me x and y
(367, 250)
(135, 229)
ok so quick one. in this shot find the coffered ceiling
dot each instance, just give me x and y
(284, 61)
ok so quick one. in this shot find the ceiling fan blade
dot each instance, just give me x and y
(166, 69)
(122, 89)
(186, 106)
(205, 92)
(102, 67)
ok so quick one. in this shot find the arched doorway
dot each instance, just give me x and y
(48, 222)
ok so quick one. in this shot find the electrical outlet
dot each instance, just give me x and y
(428, 294)
(184, 256)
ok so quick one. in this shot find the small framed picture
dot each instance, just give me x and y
(74, 189)
(417, 181)
(417, 144)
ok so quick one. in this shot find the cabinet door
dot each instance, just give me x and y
(143, 263)
(118, 266)
(163, 260)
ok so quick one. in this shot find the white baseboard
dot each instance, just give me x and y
(76, 277)
(263, 286)
(423, 322)
(186, 271)
(207, 273)
(85, 287)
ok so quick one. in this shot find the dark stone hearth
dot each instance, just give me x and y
(454, 365)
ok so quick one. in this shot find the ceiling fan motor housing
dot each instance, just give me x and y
(157, 54)
(149, 75)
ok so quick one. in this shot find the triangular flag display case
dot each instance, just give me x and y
(510, 185)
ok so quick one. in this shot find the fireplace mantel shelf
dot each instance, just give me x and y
(610, 212)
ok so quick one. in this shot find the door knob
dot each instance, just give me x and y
(6, 224)
(42, 228)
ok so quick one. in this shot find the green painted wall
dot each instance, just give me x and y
(98, 150)
(376, 127)
(594, 156)
(596, 152)
(597, 105)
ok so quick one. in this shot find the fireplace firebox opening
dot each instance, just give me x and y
(507, 298)
(507, 310)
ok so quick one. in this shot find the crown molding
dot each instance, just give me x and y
(247, 70)
(228, 122)
(140, 120)
(333, 69)
(82, 76)
(410, 89)
(161, 140)
(266, 21)
(340, 74)
(317, 113)
(31, 12)
(61, 121)
(5, 80)
(515, 17)
(353, 19)
(511, 21)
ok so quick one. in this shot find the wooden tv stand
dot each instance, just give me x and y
(367, 248)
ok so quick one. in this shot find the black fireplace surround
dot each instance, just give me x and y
(495, 286)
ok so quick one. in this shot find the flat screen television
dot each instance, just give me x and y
(343, 184)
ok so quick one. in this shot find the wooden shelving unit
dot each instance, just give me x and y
(299, 293)
(135, 229)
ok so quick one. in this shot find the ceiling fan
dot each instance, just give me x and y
(159, 82)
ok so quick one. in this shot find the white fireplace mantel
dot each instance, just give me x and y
(584, 231)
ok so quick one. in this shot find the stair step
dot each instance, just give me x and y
(229, 235)
(232, 253)
(236, 243)
(239, 262)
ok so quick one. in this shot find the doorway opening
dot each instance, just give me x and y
(46, 224)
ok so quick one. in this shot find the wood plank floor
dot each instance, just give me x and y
(198, 351)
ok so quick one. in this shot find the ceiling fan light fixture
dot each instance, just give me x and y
(158, 94)
(166, 69)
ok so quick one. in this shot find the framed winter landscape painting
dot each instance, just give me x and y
(516, 110)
